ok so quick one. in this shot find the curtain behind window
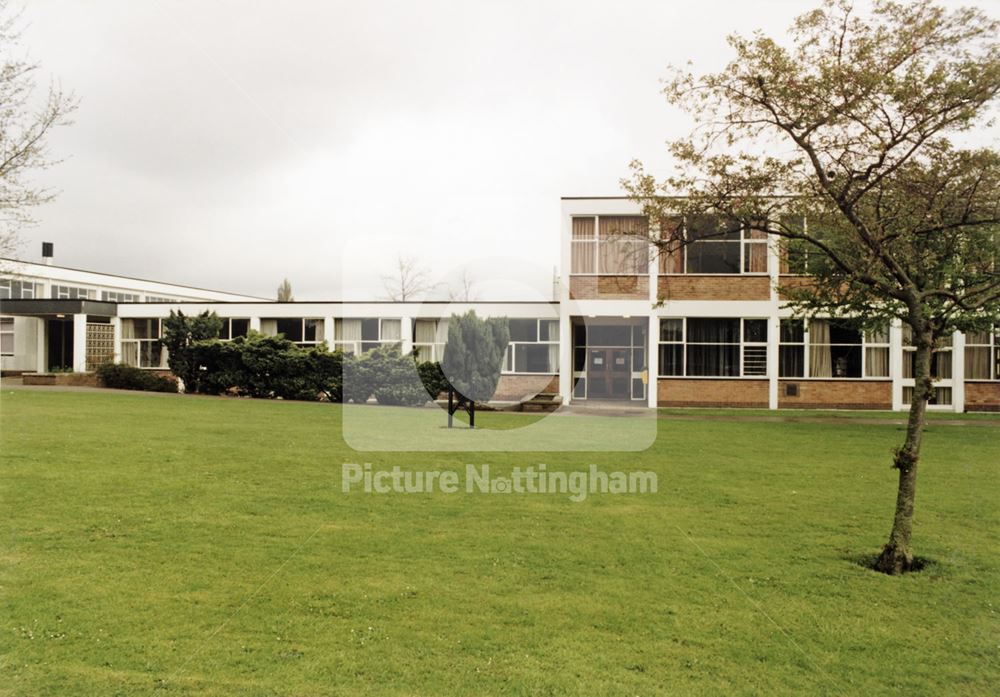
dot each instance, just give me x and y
(820, 361)
(269, 327)
(977, 361)
(424, 331)
(582, 246)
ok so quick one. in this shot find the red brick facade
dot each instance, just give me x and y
(608, 287)
(836, 394)
(711, 392)
(693, 287)
(982, 396)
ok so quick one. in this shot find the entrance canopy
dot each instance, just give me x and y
(46, 307)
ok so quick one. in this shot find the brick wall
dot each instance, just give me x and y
(982, 396)
(709, 392)
(693, 287)
(608, 287)
(521, 387)
(837, 394)
(791, 282)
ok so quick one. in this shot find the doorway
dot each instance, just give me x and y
(609, 373)
(60, 344)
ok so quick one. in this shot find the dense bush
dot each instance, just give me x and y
(180, 334)
(432, 376)
(126, 377)
(396, 380)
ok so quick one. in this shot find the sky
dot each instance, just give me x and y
(229, 144)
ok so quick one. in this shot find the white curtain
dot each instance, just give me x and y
(424, 331)
(977, 356)
(877, 361)
(269, 327)
(554, 358)
(820, 361)
(391, 330)
(442, 331)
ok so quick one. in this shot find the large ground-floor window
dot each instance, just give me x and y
(141, 343)
(822, 348)
(357, 335)
(304, 331)
(429, 338)
(533, 347)
(982, 356)
(713, 347)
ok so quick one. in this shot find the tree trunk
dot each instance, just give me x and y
(896, 557)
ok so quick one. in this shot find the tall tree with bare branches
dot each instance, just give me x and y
(410, 280)
(841, 145)
(26, 121)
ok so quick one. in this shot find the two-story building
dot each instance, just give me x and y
(704, 327)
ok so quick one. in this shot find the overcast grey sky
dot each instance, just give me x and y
(230, 144)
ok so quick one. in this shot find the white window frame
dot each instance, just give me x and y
(994, 353)
(120, 296)
(743, 344)
(139, 343)
(27, 290)
(595, 245)
(510, 353)
(806, 345)
(745, 241)
(354, 347)
(226, 333)
(7, 329)
(64, 292)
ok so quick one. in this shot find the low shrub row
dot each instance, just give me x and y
(125, 377)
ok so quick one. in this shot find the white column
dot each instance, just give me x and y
(328, 326)
(958, 372)
(41, 346)
(773, 338)
(653, 361)
(255, 324)
(79, 343)
(116, 323)
(565, 354)
(896, 363)
(406, 333)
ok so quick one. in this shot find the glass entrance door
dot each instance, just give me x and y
(609, 373)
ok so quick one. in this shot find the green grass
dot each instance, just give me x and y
(175, 545)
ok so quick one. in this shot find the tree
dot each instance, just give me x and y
(841, 146)
(285, 292)
(465, 291)
(410, 280)
(25, 125)
(180, 334)
(472, 360)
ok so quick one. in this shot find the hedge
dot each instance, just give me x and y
(126, 377)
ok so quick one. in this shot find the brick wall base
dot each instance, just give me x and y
(836, 394)
(519, 388)
(710, 392)
(982, 396)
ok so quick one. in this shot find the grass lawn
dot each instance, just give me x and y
(181, 545)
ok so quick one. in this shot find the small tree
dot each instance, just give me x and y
(839, 147)
(472, 360)
(180, 332)
(410, 280)
(285, 292)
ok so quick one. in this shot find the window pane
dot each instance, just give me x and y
(713, 257)
(977, 363)
(755, 331)
(548, 330)
(846, 361)
(313, 330)
(290, 327)
(523, 329)
(791, 361)
(792, 331)
(369, 330)
(239, 327)
(532, 358)
(713, 227)
(671, 330)
(671, 359)
(877, 362)
(713, 331)
(713, 360)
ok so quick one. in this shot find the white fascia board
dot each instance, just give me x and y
(541, 310)
(608, 308)
(600, 206)
(718, 308)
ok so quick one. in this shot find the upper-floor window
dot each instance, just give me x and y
(159, 299)
(6, 336)
(72, 293)
(609, 245)
(711, 244)
(19, 290)
(119, 297)
(713, 347)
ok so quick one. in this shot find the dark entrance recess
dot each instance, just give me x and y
(60, 333)
(609, 373)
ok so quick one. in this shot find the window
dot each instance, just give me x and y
(6, 336)
(831, 349)
(609, 245)
(119, 297)
(356, 335)
(429, 339)
(159, 299)
(19, 290)
(715, 245)
(141, 343)
(233, 327)
(304, 331)
(792, 349)
(533, 347)
(940, 357)
(72, 293)
(713, 347)
(982, 356)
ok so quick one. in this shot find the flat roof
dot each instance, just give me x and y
(115, 275)
(33, 307)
